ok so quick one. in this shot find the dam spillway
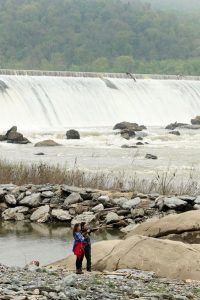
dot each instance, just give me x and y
(35, 100)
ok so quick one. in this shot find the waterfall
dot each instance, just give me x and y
(52, 102)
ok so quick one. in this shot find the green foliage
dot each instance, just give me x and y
(139, 36)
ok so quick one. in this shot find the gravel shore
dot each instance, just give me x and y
(33, 283)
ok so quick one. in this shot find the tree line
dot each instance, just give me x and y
(137, 36)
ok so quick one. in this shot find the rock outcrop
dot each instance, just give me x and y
(165, 258)
(14, 137)
(171, 224)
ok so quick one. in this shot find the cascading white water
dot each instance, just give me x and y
(47, 102)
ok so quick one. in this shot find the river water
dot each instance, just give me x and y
(20, 243)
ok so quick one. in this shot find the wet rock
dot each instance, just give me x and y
(127, 133)
(39, 153)
(150, 156)
(46, 143)
(139, 144)
(72, 134)
(62, 215)
(41, 215)
(12, 136)
(195, 121)
(112, 218)
(175, 125)
(175, 132)
(128, 147)
(128, 125)
(10, 199)
(33, 200)
(128, 204)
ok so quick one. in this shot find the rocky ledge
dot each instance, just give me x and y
(48, 203)
(59, 284)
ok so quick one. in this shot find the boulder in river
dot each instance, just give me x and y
(128, 133)
(151, 156)
(175, 132)
(175, 125)
(195, 121)
(14, 137)
(129, 125)
(47, 143)
(73, 134)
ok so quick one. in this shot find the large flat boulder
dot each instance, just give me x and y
(165, 258)
(171, 224)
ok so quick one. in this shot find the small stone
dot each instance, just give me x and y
(151, 156)
(98, 207)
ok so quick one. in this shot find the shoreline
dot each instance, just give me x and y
(59, 284)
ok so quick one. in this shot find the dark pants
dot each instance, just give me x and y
(88, 257)
(79, 260)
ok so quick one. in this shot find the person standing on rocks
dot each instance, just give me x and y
(78, 247)
(86, 231)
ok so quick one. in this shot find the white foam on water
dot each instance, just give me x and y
(53, 103)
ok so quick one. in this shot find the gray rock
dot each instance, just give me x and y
(175, 132)
(15, 213)
(98, 207)
(41, 215)
(112, 218)
(10, 199)
(197, 206)
(62, 215)
(47, 194)
(128, 228)
(34, 200)
(69, 280)
(128, 204)
(197, 200)
(104, 199)
(174, 202)
(72, 134)
(189, 199)
(137, 212)
(195, 121)
(88, 217)
(72, 199)
(47, 143)
(150, 156)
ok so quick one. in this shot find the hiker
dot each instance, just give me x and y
(85, 230)
(78, 247)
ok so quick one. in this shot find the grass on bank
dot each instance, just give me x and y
(164, 183)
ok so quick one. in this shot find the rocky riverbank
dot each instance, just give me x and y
(62, 203)
(60, 284)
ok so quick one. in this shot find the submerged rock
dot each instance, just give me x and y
(175, 132)
(72, 134)
(151, 156)
(47, 143)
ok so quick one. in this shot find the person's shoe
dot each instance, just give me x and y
(79, 272)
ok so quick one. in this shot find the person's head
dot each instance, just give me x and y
(77, 228)
(84, 226)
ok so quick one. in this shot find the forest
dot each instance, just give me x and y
(138, 36)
